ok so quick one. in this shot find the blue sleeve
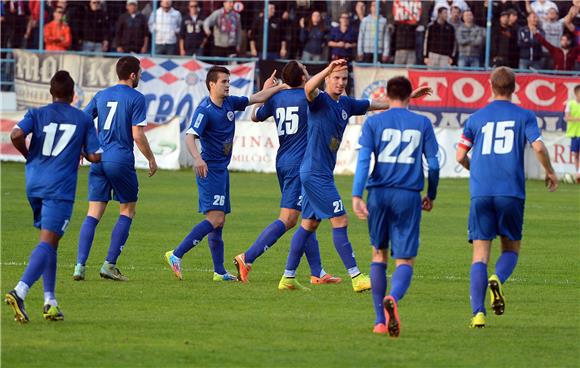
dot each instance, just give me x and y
(239, 103)
(315, 104)
(362, 171)
(139, 114)
(532, 130)
(468, 136)
(198, 122)
(430, 149)
(367, 137)
(358, 107)
(27, 123)
(264, 111)
(91, 142)
(91, 108)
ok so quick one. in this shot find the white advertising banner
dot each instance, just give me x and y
(165, 144)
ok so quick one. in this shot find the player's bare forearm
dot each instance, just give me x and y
(543, 156)
(571, 119)
(311, 87)
(143, 146)
(378, 105)
(264, 95)
(254, 111)
(92, 157)
(18, 139)
(462, 158)
(199, 165)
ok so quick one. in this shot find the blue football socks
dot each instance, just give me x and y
(216, 247)
(505, 265)
(478, 285)
(193, 238)
(400, 281)
(119, 236)
(49, 279)
(379, 289)
(297, 248)
(344, 249)
(312, 251)
(39, 258)
(86, 237)
(265, 240)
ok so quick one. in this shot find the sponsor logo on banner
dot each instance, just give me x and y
(456, 95)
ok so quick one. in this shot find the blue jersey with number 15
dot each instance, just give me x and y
(290, 111)
(59, 133)
(118, 109)
(497, 136)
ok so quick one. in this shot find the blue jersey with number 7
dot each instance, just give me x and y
(118, 109)
(59, 133)
(399, 139)
(497, 136)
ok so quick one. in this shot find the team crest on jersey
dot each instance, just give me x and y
(334, 144)
(344, 115)
(230, 115)
(228, 148)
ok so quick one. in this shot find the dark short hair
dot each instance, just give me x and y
(292, 74)
(503, 81)
(577, 88)
(213, 73)
(440, 9)
(399, 88)
(127, 65)
(512, 11)
(62, 85)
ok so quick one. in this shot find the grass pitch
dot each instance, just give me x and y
(156, 321)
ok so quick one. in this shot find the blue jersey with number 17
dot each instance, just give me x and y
(497, 136)
(289, 109)
(118, 109)
(59, 133)
(399, 138)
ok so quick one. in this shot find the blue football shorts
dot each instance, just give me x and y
(320, 198)
(395, 217)
(214, 191)
(290, 187)
(493, 216)
(575, 144)
(51, 214)
(119, 178)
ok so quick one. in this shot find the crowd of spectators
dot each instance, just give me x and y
(539, 34)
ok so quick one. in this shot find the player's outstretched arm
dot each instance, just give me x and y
(384, 104)
(268, 83)
(311, 87)
(18, 138)
(264, 95)
(143, 145)
(199, 165)
(542, 155)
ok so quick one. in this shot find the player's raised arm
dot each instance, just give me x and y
(269, 83)
(271, 87)
(143, 145)
(311, 87)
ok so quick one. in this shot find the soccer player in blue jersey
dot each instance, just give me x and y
(60, 134)
(213, 124)
(120, 111)
(496, 136)
(399, 139)
(289, 109)
(328, 114)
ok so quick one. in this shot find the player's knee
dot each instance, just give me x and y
(289, 219)
(217, 219)
(405, 261)
(341, 221)
(309, 225)
(380, 255)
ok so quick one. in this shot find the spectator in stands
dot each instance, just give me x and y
(541, 8)
(470, 39)
(313, 35)
(564, 56)
(455, 17)
(530, 48)
(360, 12)
(132, 33)
(447, 4)
(408, 18)
(57, 34)
(439, 45)
(513, 18)
(31, 36)
(226, 26)
(165, 25)
(13, 23)
(554, 28)
(277, 36)
(335, 9)
(342, 39)
(192, 38)
(514, 24)
(503, 39)
(95, 28)
(573, 25)
(366, 37)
